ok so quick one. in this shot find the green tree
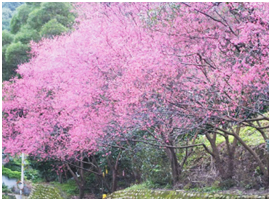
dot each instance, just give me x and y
(37, 14)
(26, 35)
(59, 11)
(32, 21)
(15, 54)
(20, 18)
(7, 38)
(52, 28)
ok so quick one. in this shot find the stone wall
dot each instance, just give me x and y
(40, 191)
(178, 194)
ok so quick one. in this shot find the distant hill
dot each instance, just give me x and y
(8, 10)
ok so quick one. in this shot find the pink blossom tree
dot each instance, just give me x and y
(199, 53)
(167, 69)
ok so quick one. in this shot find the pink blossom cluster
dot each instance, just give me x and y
(173, 67)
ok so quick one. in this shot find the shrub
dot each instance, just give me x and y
(11, 174)
(5, 188)
(32, 174)
(69, 188)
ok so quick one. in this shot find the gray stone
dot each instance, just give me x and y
(27, 190)
(16, 190)
(216, 196)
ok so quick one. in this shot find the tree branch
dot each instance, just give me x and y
(174, 147)
(83, 168)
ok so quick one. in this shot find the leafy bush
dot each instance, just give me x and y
(228, 183)
(8, 197)
(14, 164)
(70, 188)
(32, 174)
(155, 167)
(5, 188)
(44, 169)
(10, 174)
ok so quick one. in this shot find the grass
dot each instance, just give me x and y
(8, 197)
(251, 136)
(209, 189)
(69, 188)
(147, 185)
(141, 186)
(37, 180)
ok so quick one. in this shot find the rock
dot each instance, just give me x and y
(27, 190)
(15, 189)
(216, 196)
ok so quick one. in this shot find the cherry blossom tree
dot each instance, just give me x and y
(171, 70)
(209, 61)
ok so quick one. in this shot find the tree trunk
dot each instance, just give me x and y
(215, 153)
(114, 168)
(137, 176)
(231, 152)
(66, 176)
(263, 168)
(60, 177)
(174, 165)
(230, 170)
(81, 185)
(114, 180)
(81, 192)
